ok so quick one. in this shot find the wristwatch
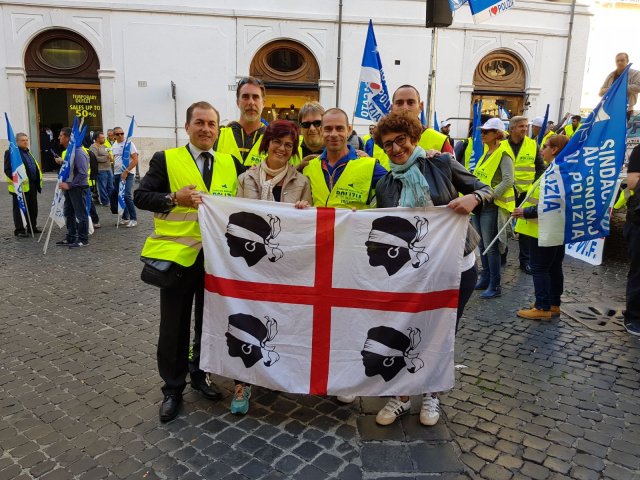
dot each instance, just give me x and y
(477, 195)
(171, 199)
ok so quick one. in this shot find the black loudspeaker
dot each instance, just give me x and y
(438, 14)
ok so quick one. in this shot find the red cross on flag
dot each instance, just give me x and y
(330, 301)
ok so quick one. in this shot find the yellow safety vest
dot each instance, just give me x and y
(378, 153)
(432, 140)
(623, 198)
(485, 171)
(569, 131)
(25, 183)
(227, 144)
(90, 182)
(352, 190)
(529, 226)
(524, 166)
(176, 235)
(107, 143)
(469, 150)
(546, 137)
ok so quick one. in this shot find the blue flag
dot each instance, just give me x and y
(578, 188)
(456, 4)
(423, 118)
(373, 101)
(57, 205)
(126, 156)
(484, 9)
(476, 138)
(543, 129)
(436, 125)
(18, 171)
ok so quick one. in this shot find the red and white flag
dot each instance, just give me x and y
(330, 301)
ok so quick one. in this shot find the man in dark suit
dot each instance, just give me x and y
(30, 188)
(172, 190)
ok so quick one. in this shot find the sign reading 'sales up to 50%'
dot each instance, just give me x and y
(84, 104)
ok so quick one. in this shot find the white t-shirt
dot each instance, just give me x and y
(117, 149)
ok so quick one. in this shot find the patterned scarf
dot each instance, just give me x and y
(266, 186)
(415, 189)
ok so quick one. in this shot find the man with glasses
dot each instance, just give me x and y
(127, 175)
(311, 141)
(242, 139)
(407, 97)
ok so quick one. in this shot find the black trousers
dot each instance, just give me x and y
(523, 240)
(175, 328)
(31, 200)
(631, 233)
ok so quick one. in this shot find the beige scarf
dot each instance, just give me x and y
(266, 186)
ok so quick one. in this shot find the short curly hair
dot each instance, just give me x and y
(400, 122)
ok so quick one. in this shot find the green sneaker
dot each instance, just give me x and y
(240, 401)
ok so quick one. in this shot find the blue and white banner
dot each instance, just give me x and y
(577, 189)
(18, 172)
(483, 10)
(476, 139)
(436, 125)
(456, 4)
(126, 156)
(57, 205)
(373, 100)
(543, 129)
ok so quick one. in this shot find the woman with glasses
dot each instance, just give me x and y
(275, 179)
(546, 262)
(495, 168)
(418, 180)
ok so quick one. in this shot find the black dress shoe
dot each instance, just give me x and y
(208, 390)
(169, 407)
(526, 268)
(37, 230)
(21, 234)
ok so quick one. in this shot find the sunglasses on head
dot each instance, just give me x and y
(245, 80)
(315, 123)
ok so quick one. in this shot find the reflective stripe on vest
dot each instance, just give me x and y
(623, 198)
(352, 190)
(25, 184)
(524, 166)
(176, 234)
(227, 144)
(529, 226)
(486, 170)
(432, 140)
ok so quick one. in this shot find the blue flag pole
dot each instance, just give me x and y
(543, 129)
(476, 138)
(436, 125)
(126, 156)
(18, 174)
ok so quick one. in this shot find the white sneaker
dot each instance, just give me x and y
(122, 222)
(429, 413)
(392, 410)
(346, 398)
(132, 223)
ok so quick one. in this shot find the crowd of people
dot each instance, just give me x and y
(313, 163)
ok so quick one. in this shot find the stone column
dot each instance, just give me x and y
(17, 111)
(108, 97)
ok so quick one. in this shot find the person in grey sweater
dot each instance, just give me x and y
(105, 172)
(633, 81)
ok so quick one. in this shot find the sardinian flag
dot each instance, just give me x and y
(330, 301)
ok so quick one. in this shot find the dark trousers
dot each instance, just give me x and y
(524, 241)
(175, 323)
(31, 201)
(631, 233)
(75, 212)
(468, 281)
(548, 279)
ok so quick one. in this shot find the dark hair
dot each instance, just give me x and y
(203, 105)
(250, 81)
(66, 131)
(279, 129)
(626, 56)
(576, 117)
(405, 86)
(400, 122)
(337, 110)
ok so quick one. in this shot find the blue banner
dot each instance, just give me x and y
(456, 4)
(578, 188)
(543, 129)
(476, 138)
(436, 125)
(484, 9)
(18, 170)
(373, 100)
(126, 156)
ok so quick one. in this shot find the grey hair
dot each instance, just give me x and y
(310, 107)
(20, 135)
(513, 121)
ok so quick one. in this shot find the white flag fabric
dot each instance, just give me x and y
(330, 301)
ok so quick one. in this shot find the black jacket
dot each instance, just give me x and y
(446, 177)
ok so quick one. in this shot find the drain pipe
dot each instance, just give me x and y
(339, 53)
(566, 62)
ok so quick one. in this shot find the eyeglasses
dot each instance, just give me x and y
(118, 133)
(279, 143)
(315, 123)
(400, 140)
(484, 132)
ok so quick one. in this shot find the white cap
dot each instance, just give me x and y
(493, 124)
(447, 124)
(537, 122)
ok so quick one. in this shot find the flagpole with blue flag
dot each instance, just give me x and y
(577, 188)
(477, 145)
(423, 117)
(18, 175)
(373, 100)
(436, 125)
(543, 129)
(126, 156)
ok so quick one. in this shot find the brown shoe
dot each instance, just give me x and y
(555, 309)
(535, 314)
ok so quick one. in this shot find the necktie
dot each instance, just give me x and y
(207, 169)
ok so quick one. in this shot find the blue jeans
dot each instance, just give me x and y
(75, 211)
(130, 209)
(546, 270)
(486, 223)
(105, 185)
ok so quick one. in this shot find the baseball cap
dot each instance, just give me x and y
(537, 122)
(493, 124)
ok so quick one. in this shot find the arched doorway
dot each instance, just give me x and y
(62, 82)
(499, 80)
(290, 73)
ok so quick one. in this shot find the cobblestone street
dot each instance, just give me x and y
(79, 388)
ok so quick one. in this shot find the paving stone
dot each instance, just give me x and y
(435, 459)
(385, 458)
(496, 472)
(369, 430)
